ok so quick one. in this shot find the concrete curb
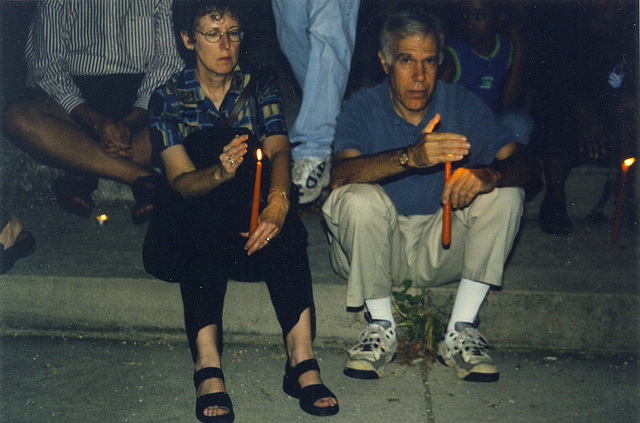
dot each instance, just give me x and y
(593, 323)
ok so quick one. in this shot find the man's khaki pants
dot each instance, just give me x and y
(374, 248)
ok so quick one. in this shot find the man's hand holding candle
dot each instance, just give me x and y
(466, 184)
(433, 148)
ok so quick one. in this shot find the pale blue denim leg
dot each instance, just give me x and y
(330, 31)
(292, 24)
(519, 122)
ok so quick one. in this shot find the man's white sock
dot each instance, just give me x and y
(469, 298)
(381, 309)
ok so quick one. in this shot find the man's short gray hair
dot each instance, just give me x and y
(407, 23)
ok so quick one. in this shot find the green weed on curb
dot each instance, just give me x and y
(421, 328)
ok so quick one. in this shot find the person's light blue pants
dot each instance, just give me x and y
(318, 38)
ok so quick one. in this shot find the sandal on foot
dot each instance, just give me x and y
(217, 399)
(25, 244)
(144, 189)
(73, 193)
(310, 393)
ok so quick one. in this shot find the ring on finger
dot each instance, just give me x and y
(267, 239)
(231, 161)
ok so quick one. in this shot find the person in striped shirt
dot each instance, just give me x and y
(93, 65)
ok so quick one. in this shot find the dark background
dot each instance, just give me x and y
(544, 22)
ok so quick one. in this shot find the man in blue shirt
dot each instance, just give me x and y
(384, 215)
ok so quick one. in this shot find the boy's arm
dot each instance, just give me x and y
(512, 91)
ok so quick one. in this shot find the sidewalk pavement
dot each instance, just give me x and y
(71, 378)
(87, 336)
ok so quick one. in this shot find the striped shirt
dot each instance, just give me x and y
(100, 37)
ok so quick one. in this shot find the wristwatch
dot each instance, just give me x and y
(403, 158)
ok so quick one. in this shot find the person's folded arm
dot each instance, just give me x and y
(191, 182)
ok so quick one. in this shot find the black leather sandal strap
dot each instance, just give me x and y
(217, 399)
(207, 373)
(312, 393)
(303, 367)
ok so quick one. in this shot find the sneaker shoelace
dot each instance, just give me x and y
(369, 337)
(472, 342)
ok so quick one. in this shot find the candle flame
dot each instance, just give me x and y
(628, 162)
(259, 154)
(102, 217)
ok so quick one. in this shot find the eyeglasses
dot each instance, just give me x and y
(215, 36)
(478, 16)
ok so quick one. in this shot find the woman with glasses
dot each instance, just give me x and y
(209, 161)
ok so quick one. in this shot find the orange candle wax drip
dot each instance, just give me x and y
(255, 205)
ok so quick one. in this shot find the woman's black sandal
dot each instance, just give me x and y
(217, 399)
(145, 190)
(310, 393)
(73, 193)
(25, 244)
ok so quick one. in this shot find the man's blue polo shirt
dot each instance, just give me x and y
(369, 123)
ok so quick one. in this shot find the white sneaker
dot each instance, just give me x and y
(464, 350)
(311, 174)
(377, 346)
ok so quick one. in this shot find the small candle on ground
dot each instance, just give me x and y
(620, 199)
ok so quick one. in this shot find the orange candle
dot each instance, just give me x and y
(255, 205)
(621, 199)
(446, 213)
